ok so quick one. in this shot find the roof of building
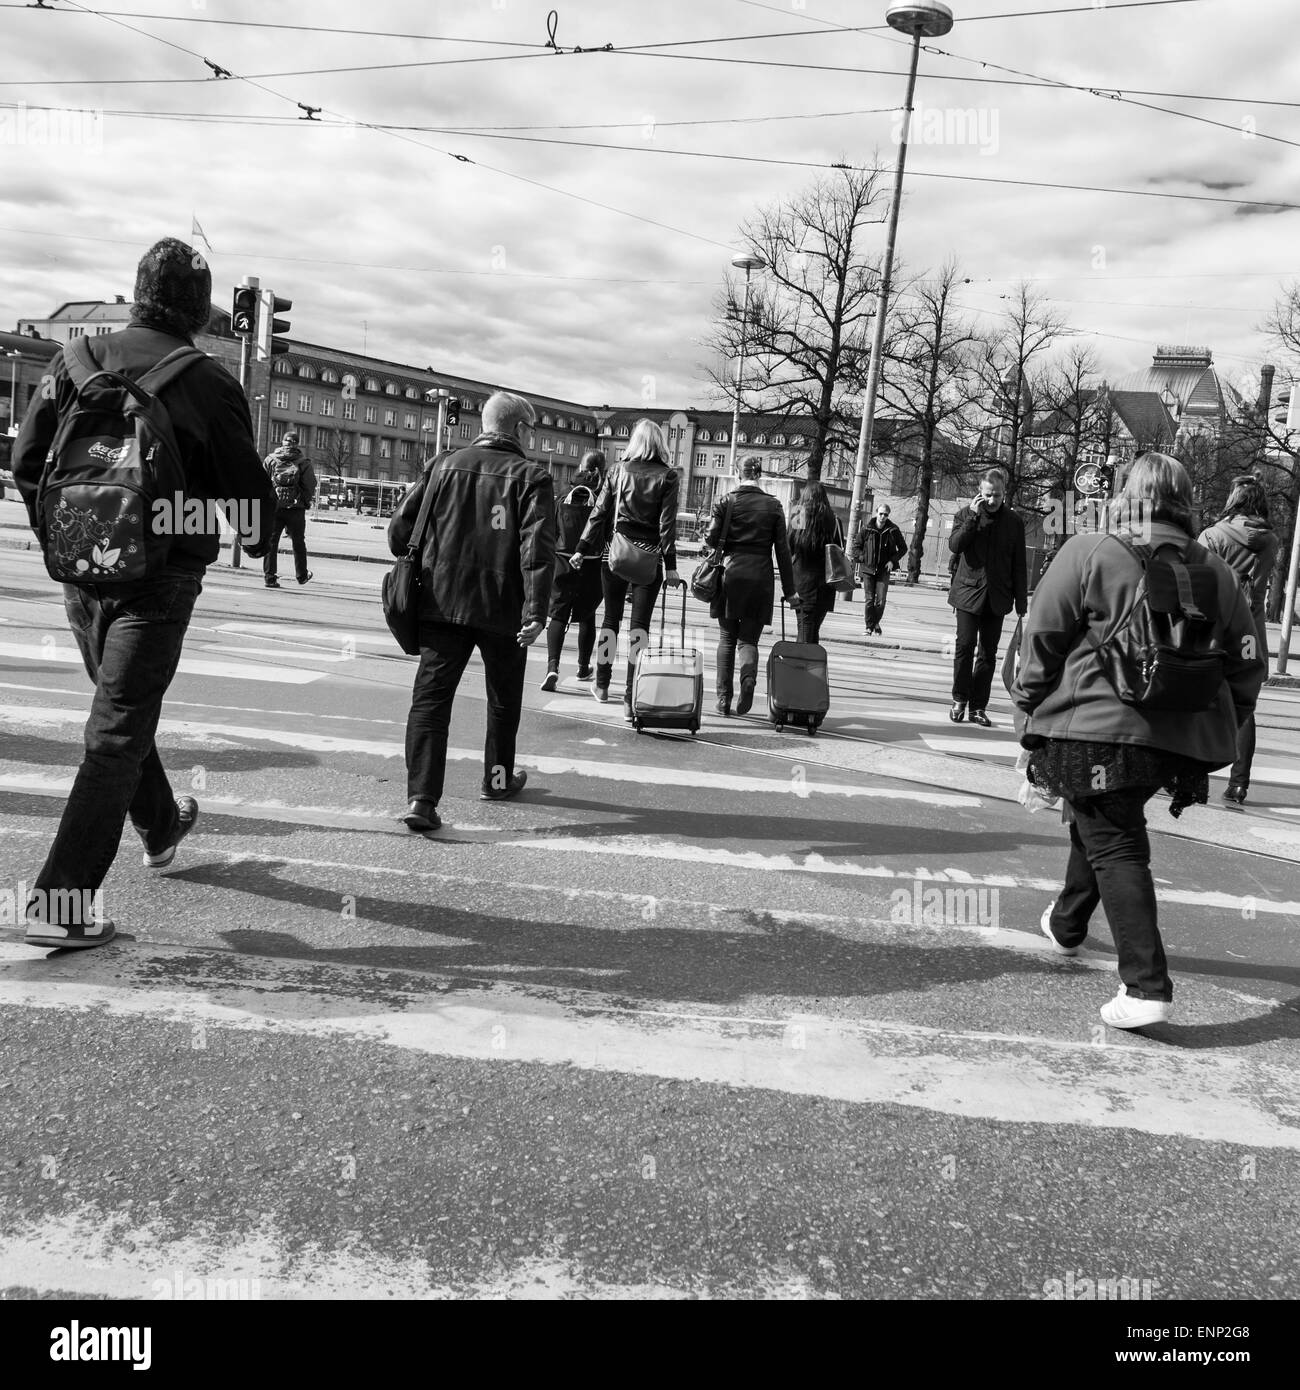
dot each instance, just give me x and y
(44, 348)
(1189, 373)
(1143, 413)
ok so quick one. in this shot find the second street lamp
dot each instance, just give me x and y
(922, 19)
(747, 261)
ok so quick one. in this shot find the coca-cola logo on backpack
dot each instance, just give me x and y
(112, 457)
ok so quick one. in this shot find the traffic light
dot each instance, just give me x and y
(453, 413)
(243, 316)
(268, 345)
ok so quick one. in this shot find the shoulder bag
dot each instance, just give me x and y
(839, 573)
(707, 576)
(631, 562)
(401, 587)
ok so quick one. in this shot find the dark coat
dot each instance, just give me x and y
(489, 549)
(810, 573)
(1248, 545)
(210, 420)
(306, 475)
(991, 568)
(878, 547)
(645, 494)
(1061, 690)
(757, 529)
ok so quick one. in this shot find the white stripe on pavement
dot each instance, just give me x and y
(189, 666)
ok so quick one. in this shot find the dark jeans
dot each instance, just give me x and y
(445, 650)
(972, 675)
(875, 591)
(733, 634)
(1110, 863)
(574, 599)
(1239, 773)
(130, 636)
(616, 591)
(811, 619)
(295, 523)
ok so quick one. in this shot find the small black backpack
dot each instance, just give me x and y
(112, 459)
(571, 515)
(1164, 653)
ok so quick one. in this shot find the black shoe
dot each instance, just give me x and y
(879, 632)
(306, 578)
(188, 810)
(977, 716)
(1235, 794)
(273, 583)
(422, 816)
(512, 788)
(746, 701)
(724, 708)
(550, 680)
(958, 712)
(585, 673)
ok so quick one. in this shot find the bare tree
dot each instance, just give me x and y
(809, 311)
(1076, 412)
(931, 383)
(1282, 328)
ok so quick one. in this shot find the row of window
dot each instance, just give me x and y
(703, 436)
(406, 448)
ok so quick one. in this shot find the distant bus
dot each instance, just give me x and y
(366, 496)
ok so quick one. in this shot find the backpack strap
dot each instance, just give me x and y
(171, 366)
(80, 362)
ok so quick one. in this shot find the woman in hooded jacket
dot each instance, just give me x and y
(1248, 545)
(1105, 757)
(813, 526)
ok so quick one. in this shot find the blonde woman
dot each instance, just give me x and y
(635, 518)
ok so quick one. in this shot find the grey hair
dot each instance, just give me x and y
(505, 412)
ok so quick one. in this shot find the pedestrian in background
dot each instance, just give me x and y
(576, 593)
(639, 502)
(813, 526)
(876, 552)
(485, 583)
(1107, 758)
(131, 634)
(1248, 545)
(755, 527)
(294, 480)
(988, 543)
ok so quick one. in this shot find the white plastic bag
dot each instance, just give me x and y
(1029, 796)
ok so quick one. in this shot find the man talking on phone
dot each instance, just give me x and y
(988, 541)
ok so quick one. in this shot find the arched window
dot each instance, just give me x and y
(561, 423)
(371, 384)
(761, 441)
(281, 367)
(623, 432)
(779, 440)
(330, 375)
(705, 436)
(412, 394)
(306, 373)
(742, 438)
(720, 437)
(546, 419)
(391, 389)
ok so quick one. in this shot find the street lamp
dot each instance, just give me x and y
(927, 19)
(747, 261)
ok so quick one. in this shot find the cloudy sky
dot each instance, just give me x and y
(562, 221)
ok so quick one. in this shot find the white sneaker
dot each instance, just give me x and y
(69, 938)
(1045, 925)
(1126, 1012)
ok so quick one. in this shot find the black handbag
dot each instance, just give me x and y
(630, 561)
(400, 591)
(706, 579)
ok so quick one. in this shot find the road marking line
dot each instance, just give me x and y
(189, 666)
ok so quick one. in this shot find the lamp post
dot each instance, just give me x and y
(14, 358)
(748, 261)
(927, 19)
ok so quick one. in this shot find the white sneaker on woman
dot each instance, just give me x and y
(1126, 1012)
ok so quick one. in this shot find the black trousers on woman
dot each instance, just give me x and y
(617, 593)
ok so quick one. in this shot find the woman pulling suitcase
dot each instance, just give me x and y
(813, 526)
(748, 526)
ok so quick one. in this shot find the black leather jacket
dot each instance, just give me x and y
(646, 494)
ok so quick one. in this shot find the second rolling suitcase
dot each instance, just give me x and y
(798, 682)
(668, 685)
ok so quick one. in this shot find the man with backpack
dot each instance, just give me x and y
(294, 480)
(576, 593)
(135, 443)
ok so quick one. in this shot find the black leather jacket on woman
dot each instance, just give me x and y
(646, 493)
(756, 531)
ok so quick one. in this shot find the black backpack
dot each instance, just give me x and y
(286, 476)
(1164, 654)
(571, 516)
(112, 458)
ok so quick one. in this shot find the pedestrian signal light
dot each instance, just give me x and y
(243, 314)
(268, 345)
(453, 413)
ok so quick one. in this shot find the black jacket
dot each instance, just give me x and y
(1248, 545)
(991, 568)
(489, 548)
(878, 547)
(214, 435)
(646, 494)
(757, 528)
(306, 476)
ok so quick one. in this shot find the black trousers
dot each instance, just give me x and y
(294, 521)
(875, 593)
(1110, 863)
(644, 597)
(445, 650)
(978, 635)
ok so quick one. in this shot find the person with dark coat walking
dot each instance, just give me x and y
(1248, 545)
(1107, 758)
(991, 578)
(876, 552)
(754, 522)
(294, 480)
(639, 502)
(813, 526)
(576, 593)
(485, 583)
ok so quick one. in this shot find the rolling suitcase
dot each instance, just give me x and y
(798, 682)
(668, 684)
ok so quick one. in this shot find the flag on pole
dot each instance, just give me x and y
(197, 231)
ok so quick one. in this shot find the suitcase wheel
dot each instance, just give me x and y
(636, 724)
(812, 728)
(695, 729)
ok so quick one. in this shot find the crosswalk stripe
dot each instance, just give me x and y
(189, 666)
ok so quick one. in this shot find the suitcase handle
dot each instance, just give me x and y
(663, 617)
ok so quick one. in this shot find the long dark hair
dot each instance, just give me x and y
(812, 522)
(1247, 498)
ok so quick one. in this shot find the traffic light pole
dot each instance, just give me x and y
(1293, 572)
(245, 355)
